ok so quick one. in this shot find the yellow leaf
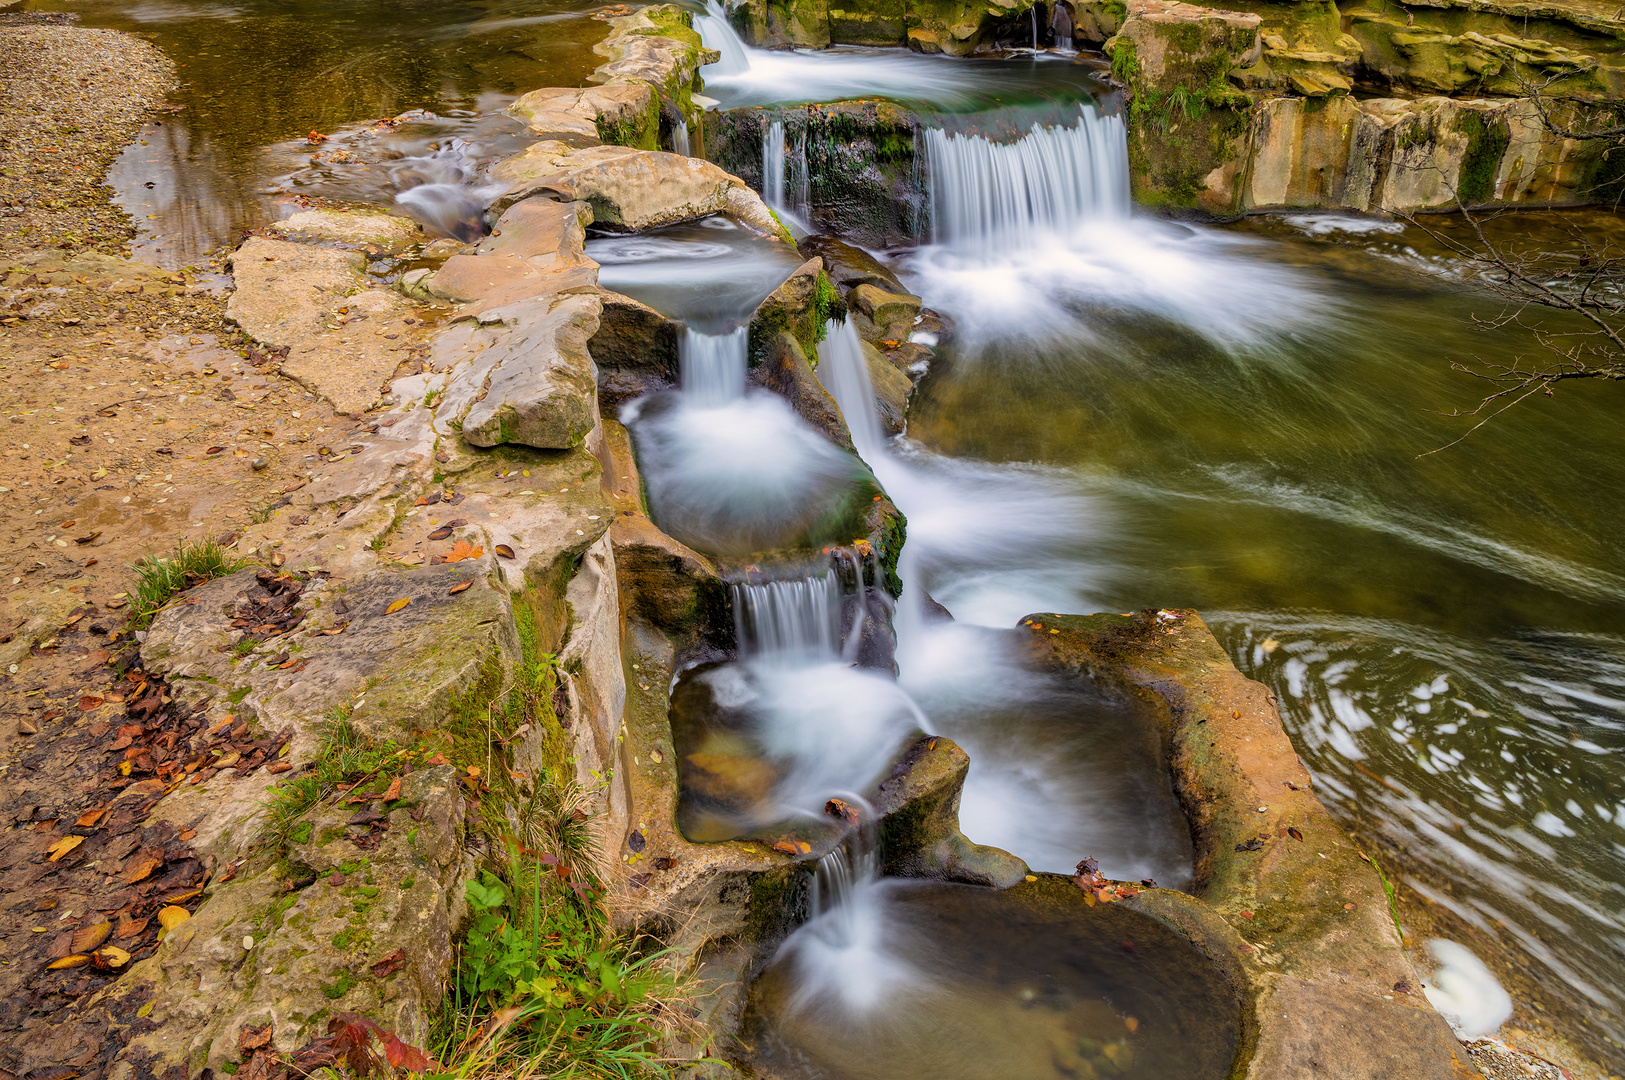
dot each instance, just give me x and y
(66, 844)
(473, 770)
(98, 474)
(397, 605)
(172, 916)
(67, 962)
(110, 956)
(87, 938)
(124, 767)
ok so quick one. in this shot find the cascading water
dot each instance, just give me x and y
(679, 138)
(441, 190)
(988, 196)
(716, 34)
(713, 365)
(789, 619)
(845, 374)
(773, 164)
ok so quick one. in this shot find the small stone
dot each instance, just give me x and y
(248, 942)
(26, 726)
(258, 463)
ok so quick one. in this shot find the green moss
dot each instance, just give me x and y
(1486, 145)
(407, 883)
(341, 986)
(300, 834)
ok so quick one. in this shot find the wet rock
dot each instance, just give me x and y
(919, 821)
(848, 266)
(580, 117)
(633, 189)
(534, 382)
(360, 227)
(494, 281)
(782, 368)
(892, 389)
(883, 316)
(795, 307)
(656, 45)
(635, 351)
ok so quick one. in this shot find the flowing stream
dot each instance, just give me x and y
(1131, 412)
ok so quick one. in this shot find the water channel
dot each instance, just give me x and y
(1131, 413)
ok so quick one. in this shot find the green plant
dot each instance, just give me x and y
(346, 754)
(160, 577)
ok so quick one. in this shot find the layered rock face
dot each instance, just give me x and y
(931, 26)
(1233, 111)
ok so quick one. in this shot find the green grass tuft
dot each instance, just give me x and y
(160, 577)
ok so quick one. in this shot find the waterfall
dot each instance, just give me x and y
(789, 620)
(989, 196)
(713, 365)
(716, 33)
(803, 177)
(1033, 12)
(679, 138)
(773, 164)
(844, 372)
(441, 190)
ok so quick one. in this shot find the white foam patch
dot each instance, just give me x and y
(1466, 993)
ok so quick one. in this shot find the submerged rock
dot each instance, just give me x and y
(372, 228)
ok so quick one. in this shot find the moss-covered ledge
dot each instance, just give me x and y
(1329, 976)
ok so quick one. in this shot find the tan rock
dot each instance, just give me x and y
(361, 227)
(576, 117)
(889, 316)
(634, 189)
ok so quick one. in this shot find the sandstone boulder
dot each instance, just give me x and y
(365, 228)
(585, 116)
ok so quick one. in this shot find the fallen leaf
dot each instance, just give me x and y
(139, 868)
(1131, 1023)
(88, 537)
(406, 1056)
(397, 605)
(63, 846)
(110, 956)
(214, 450)
(787, 846)
(90, 817)
(440, 533)
(253, 1038)
(88, 702)
(840, 808)
(67, 962)
(504, 551)
(277, 558)
(461, 586)
(393, 791)
(331, 630)
(88, 938)
(389, 964)
(172, 916)
(464, 550)
(1294, 833)
(129, 928)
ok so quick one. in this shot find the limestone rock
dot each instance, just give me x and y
(793, 307)
(886, 316)
(372, 228)
(534, 382)
(783, 369)
(582, 117)
(250, 956)
(850, 266)
(633, 189)
(635, 351)
(289, 296)
(285, 291)
(656, 45)
(892, 389)
(919, 811)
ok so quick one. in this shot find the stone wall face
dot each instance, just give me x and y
(1231, 112)
(955, 27)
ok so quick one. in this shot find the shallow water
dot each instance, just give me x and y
(954, 981)
(259, 75)
(1249, 436)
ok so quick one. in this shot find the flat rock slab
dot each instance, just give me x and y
(432, 650)
(533, 382)
(289, 296)
(572, 116)
(633, 189)
(364, 228)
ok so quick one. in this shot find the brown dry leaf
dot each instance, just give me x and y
(389, 964)
(187, 894)
(88, 702)
(440, 533)
(331, 630)
(461, 586)
(129, 928)
(172, 916)
(393, 792)
(67, 962)
(504, 551)
(88, 938)
(397, 605)
(110, 956)
(63, 846)
(787, 846)
(90, 817)
(464, 550)
(87, 538)
(140, 868)
(253, 1038)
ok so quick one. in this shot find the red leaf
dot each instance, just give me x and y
(405, 1055)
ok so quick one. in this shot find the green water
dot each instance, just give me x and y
(259, 75)
(1445, 632)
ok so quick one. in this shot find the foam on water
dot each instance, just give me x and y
(1465, 992)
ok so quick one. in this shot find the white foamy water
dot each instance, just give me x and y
(713, 365)
(1465, 992)
(441, 189)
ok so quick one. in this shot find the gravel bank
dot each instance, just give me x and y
(70, 100)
